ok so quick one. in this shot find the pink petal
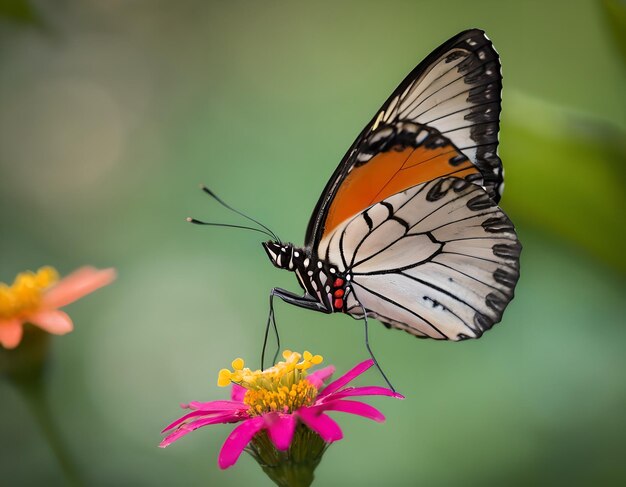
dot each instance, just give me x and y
(238, 440)
(280, 429)
(366, 391)
(322, 424)
(238, 392)
(184, 418)
(347, 377)
(10, 333)
(318, 377)
(78, 284)
(194, 425)
(215, 405)
(52, 321)
(352, 407)
(222, 413)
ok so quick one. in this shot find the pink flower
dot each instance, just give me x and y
(35, 298)
(292, 398)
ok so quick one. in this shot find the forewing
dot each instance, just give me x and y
(439, 260)
(442, 120)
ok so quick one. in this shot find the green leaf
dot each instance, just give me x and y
(615, 11)
(18, 11)
(566, 174)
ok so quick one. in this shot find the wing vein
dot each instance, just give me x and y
(417, 315)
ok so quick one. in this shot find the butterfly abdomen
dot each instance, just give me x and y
(323, 281)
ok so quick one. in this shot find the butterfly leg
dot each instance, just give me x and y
(307, 302)
(367, 345)
(270, 320)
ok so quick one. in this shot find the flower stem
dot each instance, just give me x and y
(24, 369)
(294, 467)
(34, 395)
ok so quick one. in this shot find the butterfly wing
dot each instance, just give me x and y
(438, 260)
(442, 120)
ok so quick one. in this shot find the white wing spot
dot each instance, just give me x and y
(296, 254)
(378, 119)
(319, 265)
(421, 137)
(306, 262)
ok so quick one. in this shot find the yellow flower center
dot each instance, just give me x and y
(282, 387)
(24, 295)
(284, 399)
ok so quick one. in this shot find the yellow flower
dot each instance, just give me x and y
(280, 388)
(34, 297)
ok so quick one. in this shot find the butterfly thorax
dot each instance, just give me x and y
(320, 279)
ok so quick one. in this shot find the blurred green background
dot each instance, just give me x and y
(112, 113)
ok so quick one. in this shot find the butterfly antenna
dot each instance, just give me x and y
(199, 222)
(367, 345)
(226, 205)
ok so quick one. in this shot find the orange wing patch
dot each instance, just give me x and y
(391, 172)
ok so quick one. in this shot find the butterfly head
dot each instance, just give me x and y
(281, 254)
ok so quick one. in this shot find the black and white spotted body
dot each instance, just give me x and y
(321, 280)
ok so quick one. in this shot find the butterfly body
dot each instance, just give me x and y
(322, 282)
(408, 230)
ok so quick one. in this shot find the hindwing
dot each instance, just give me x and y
(438, 260)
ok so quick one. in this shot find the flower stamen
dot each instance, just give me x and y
(25, 294)
(280, 388)
(282, 399)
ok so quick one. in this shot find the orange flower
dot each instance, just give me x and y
(34, 297)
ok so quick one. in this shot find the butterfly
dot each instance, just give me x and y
(408, 230)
